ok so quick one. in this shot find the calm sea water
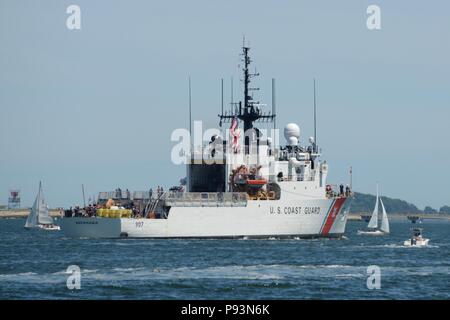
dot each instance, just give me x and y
(33, 266)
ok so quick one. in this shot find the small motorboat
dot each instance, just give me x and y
(417, 240)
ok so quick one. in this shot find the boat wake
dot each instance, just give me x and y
(391, 246)
(274, 273)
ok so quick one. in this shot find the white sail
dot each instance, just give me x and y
(39, 212)
(43, 212)
(32, 220)
(43, 216)
(373, 223)
(384, 219)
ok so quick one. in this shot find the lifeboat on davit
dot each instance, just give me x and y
(256, 183)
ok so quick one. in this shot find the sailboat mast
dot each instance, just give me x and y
(351, 178)
(84, 198)
(38, 211)
(378, 193)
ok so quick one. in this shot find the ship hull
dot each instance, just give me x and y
(259, 219)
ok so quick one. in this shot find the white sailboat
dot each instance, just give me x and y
(372, 227)
(39, 216)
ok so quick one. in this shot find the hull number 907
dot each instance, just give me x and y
(139, 224)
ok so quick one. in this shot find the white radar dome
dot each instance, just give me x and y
(292, 133)
(292, 141)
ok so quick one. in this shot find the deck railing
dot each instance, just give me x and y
(206, 199)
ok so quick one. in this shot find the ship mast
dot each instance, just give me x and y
(249, 112)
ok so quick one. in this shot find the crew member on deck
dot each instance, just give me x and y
(347, 191)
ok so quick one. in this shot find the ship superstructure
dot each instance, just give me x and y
(241, 184)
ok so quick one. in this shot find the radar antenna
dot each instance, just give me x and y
(250, 111)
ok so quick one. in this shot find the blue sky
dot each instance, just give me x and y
(97, 105)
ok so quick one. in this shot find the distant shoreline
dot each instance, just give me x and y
(401, 216)
(23, 213)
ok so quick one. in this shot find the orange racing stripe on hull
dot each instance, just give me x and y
(333, 214)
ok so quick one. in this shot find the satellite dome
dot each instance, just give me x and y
(291, 130)
(292, 141)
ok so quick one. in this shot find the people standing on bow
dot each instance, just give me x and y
(347, 191)
(341, 190)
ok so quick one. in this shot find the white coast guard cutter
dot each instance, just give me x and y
(245, 186)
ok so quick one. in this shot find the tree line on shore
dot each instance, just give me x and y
(365, 203)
